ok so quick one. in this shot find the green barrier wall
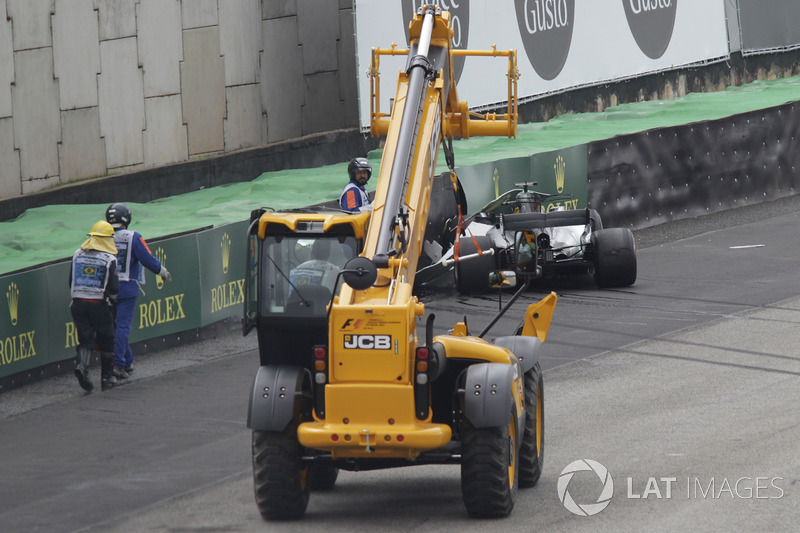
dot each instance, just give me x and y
(221, 259)
(24, 338)
(558, 172)
(173, 306)
(36, 327)
(61, 338)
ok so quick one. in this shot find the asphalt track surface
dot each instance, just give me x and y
(685, 387)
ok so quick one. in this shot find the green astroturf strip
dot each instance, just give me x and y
(50, 233)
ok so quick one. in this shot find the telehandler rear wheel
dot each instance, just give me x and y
(489, 469)
(280, 480)
(531, 452)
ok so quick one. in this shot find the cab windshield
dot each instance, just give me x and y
(299, 273)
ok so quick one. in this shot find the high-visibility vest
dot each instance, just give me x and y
(90, 273)
(123, 238)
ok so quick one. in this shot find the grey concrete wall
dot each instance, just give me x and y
(92, 88)
(131, 88)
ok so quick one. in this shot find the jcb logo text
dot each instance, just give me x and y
(368, 342)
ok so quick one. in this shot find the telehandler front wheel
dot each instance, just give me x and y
(489, 469)
(531, 452)
(280, 480)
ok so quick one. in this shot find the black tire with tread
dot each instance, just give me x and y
(531, 452)
(614, 253)
(487, 487)
(595, 220)
(280, 481)
(472, 275)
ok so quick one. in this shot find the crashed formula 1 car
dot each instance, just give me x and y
(559, 242)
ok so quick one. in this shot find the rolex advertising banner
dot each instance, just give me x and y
(563, 174)
(221, 252)
(560, 43)
(62, 337)
(484, 182)
(560, 172)
(171, 306)
(207, 269)
(24, 321)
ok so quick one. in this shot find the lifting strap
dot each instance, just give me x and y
(460, 228)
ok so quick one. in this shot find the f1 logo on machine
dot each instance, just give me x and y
(352, 322)
(368, 342)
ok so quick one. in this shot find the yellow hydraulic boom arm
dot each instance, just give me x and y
(344, 381)
(426, 112)
(370, 386)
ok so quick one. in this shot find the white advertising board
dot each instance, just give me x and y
(561, 44)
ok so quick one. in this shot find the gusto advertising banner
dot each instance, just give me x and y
(560, 43)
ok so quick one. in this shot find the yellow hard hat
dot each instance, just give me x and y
(101, 238)
(101, 228)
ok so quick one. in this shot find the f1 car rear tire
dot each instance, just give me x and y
(472, 275)
(595, 220)
(322, 477)
(489, 468)
(280, 480)
(531, 453)
(614, 255)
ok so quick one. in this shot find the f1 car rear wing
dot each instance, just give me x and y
(553, 219)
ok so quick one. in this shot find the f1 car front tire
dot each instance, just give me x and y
(472, 275)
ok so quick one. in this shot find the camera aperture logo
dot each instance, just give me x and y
(657, 487)
(585, 509)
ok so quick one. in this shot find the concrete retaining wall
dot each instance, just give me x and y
(161, 95)
(101, 87)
